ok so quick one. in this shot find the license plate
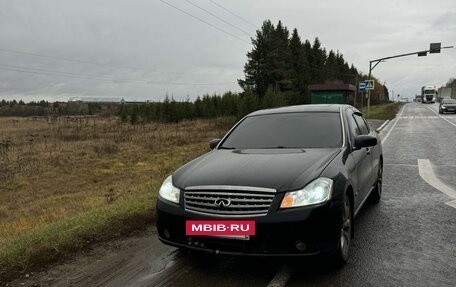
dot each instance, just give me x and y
(233, 229)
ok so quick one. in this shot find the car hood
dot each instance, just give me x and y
(280, 169)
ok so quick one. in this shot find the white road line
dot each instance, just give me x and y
(382, 126)
(440, 116)
(282, 277)
(401, 164)
(397, 119)
(427, 174)
(451, 203)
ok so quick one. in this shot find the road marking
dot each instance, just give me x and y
(420, 117)
(282, 277)
(401, 164)
(442, 117)
(427, 174)
(451, 203)
(382, 126)
(397, 119)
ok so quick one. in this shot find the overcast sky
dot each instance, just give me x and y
(144, 49)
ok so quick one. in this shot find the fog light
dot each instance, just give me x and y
(166, 233)
(301, 246)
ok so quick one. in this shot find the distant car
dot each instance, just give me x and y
(285, 181)
(447, 105)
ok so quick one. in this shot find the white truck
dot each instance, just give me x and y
(428, 94)
(443, 93)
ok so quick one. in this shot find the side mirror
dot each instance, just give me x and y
(213, 143)
(365, 141)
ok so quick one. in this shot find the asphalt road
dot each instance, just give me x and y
(409, 239)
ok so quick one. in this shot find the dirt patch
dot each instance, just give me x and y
(104, 264)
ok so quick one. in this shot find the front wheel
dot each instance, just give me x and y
(341, 255)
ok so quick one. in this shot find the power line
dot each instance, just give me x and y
(95, 77)
(219, 18)
(205, 22)
(234, 14)
(52, 74)
(96, 63)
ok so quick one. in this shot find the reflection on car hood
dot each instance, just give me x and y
(280, 169)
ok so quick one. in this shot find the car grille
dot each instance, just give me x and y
(236, 203)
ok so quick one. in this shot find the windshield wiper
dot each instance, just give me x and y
(227, 147)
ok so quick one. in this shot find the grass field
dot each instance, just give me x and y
(69, 181)
(383, 112)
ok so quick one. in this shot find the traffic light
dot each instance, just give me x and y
(434, 48)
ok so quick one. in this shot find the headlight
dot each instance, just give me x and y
(317, 191)
(168, 191)
(443, 107)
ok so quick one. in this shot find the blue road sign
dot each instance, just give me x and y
(369, 84)
(361, 86)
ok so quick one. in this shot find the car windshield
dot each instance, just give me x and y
(429, 91)
(287, 130)
(449, 101)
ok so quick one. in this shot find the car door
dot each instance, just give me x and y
(362, 157)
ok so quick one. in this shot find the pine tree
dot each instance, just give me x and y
(300, 69)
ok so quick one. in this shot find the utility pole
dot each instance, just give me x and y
(433, 48)
(356, 89)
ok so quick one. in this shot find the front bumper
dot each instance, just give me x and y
(448, 109)
(294, 232)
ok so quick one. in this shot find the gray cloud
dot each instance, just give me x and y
(160, 48)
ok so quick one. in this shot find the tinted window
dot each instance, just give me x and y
(287, 130)
(449, 101)
(361, 124)
(354, 129)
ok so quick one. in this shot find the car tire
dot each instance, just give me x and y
(340, 256)
(440, 111)
(376, 194)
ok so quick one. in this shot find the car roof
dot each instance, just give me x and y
(331, 108)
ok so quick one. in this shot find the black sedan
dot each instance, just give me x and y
(285, 181)
(447, 105)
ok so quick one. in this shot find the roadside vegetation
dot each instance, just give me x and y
(383, 112)
(69, 182)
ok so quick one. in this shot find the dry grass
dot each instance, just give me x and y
(384, 111)
(71, 171)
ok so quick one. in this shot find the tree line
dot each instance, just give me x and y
(289, 65)
(44, 108)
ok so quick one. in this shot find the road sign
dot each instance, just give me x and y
(435, 48)
(369, 84)
(361, 86)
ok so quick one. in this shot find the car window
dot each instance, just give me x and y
(354, 129)
(363, 128)
(449, 101)
(287, 130)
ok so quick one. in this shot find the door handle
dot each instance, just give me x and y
(368, 150)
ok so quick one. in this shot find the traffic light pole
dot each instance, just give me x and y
(433, 49)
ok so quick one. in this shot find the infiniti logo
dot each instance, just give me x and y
(222, 202)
